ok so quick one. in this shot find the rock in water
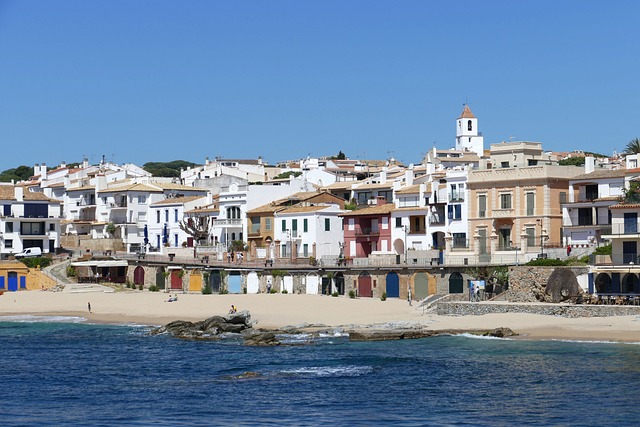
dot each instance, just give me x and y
(260, 338)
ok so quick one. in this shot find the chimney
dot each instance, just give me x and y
(589, 164)
(43, 172)
(19, 193)
(383, 175)
(206, 161)
(36, 169)
(409, 175)
(63, 164)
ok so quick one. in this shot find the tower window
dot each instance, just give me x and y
(469, 125)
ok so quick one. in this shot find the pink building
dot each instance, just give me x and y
(368, 230)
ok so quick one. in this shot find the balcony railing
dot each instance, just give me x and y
(623, 229)
(227, 222)
(456, 197)
(367, 232)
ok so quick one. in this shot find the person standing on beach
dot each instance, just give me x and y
(89, 306)
(409, 294)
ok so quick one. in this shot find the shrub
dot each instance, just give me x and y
(206, 290)
(384, 296)
(71, 271)
(284, 291)
(352, 293)
(153, 288)
(140, 287)
(36, 261)
(335, 294)
(244, 290)
(274, 291)
(546, 262)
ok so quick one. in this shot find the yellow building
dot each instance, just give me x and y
(13, 276)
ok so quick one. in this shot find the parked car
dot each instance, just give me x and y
(29, 253)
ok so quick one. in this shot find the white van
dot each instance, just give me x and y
(29, 252)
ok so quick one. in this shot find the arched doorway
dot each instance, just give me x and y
(287, 283)
(176, 280)
(398, 247)
(603, 283)
(338, 282)
(364, 285)
(214, 281)
(630, 283)
(138, 275)
(312, 284)
(160, 280)
(437, 240)
(421, 286)
(456, 283)
(195, 281)
(253, 284)
(234, 282)
(393, 285)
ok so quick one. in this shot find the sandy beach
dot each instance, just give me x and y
(278, 310)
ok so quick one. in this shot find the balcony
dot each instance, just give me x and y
(504, 213)
(367, 232)
(121, 205)
(630, 229)
(456, 197)
(228, 222)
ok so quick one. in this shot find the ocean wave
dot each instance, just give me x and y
(29, 318)
(329, 371)
(481, 337)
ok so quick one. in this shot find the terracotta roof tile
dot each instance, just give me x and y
(371, 210)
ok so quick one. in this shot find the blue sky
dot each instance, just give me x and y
(141, 81)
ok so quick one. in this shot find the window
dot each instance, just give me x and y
(8, 243)
(142, 200)
(398, 222)
(591, 191)
(630, 222)
(32, 228)
(305, 250)
(233, 212)
(563, 197)
(469, 125)
(267, 224)
(294, 227)
(8, 228)
(283, 251)
(166, 215)
(482, 206)
(504, 164)
(284, 225)
(531, 197)
(327, 224)
(454, 211)
(459, 240)
(531, 237)
(305, 225)
(585, 216)
(52, 227)
(505, 201)
(158, 217)
(175, 215)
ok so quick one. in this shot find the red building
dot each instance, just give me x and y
(368, 230)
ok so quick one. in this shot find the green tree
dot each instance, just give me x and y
(20, 173)
(167, 169)
(633, 146)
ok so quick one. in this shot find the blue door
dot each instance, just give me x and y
(23, 282)
(393, 285)
(234, 283)
(1, 282)
(13, 281)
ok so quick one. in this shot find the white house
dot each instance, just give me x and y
(28, 219)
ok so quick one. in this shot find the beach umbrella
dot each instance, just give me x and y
(146, 235)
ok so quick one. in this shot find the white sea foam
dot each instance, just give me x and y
(28, 318)
(330, 371)
(481, 337)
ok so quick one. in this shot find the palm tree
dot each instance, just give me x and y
(633, 147)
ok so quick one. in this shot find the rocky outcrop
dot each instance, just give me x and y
(211, 328)
(386, 334)
(260, 338)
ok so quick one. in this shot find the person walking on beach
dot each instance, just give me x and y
(89, 306)
(409, 294)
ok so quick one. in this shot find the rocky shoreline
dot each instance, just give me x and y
(240, 326)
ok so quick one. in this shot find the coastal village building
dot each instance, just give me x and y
(262, 221)
(516, 208)
(367, 231)
(28, 219)
(586, 214)
(163, 228)
(245, 169)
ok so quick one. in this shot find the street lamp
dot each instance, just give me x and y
(539, 221)
(289, 233)
(516, 249)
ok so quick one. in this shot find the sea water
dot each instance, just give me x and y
(63, 371)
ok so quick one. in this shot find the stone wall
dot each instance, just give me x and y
(529, 283)
(458, 308)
